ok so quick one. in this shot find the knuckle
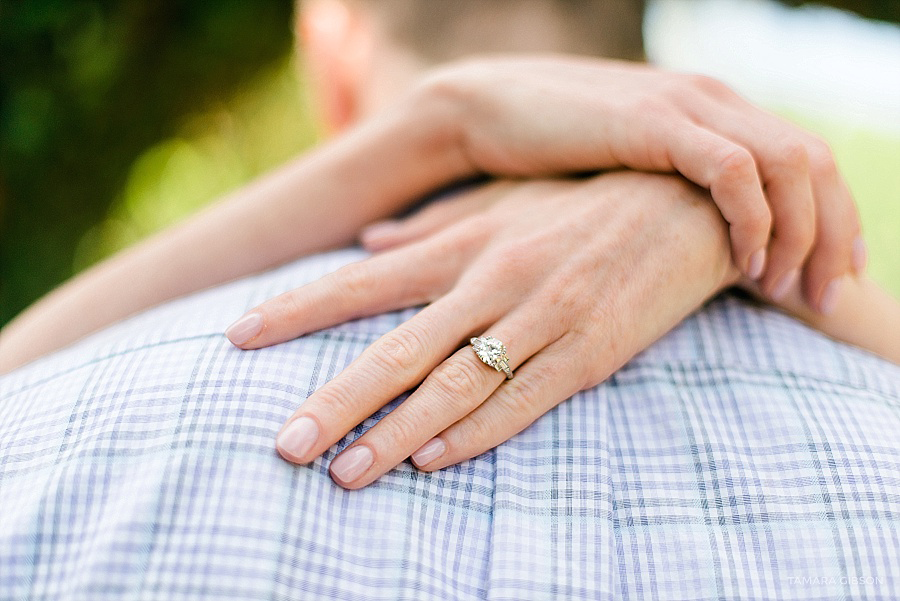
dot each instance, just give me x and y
(475, 434)
(399, 349)
(354, 280)
(521, 397)
(446, 85)
(792, 154)
(333, 399)
(457, 380)
(737, 162)
(560, 299)
(516, 257)
(650, 106)
(399, 429)
(287, 306)
(821, 158)
(706, 84)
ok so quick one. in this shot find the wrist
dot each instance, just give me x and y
(708, 230)
(436, 109)
(394, 159)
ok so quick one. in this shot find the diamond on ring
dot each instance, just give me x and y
(492, 352)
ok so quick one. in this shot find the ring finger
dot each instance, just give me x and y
(548, 379)
(451, 391)
(393, 364)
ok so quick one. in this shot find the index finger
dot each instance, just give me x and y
(375, 285)
(730, 173)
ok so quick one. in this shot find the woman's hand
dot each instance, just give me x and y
(574, 276)
(777, 186)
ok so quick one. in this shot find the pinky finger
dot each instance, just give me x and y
(543, 382)
(390, 233)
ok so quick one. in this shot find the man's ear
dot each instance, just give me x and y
(338, 42)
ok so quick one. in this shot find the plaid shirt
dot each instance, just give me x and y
(743, 456)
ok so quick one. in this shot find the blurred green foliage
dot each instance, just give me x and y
(119, 118)
(85, 88)
(211, 154)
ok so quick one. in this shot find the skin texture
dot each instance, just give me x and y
(574, 276)
(514, 117)
(865, 316)
(790, 213)
(656, 253)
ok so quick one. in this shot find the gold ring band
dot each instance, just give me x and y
(492, 352)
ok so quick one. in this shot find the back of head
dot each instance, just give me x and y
(361, 53)
(441, 30)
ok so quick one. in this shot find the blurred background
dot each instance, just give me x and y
(119, 117)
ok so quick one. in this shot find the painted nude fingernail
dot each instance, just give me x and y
(830, 296)
(429, 451)
(757, 263)
(785, 283)
(245, 329)
(352, 463)
(379, 229)
(859, 255)
(298, 437)
(375, 236)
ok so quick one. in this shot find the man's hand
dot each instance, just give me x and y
(575, 277)
(866, 315)
(788, 208)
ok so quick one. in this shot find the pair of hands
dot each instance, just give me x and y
(791, 215)
(574, 276)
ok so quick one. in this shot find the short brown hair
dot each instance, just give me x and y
(439, 30)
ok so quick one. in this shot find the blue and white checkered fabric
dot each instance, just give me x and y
(744, 456)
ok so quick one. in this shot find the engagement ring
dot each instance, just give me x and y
(492, 352)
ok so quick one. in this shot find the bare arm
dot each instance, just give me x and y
(514, 117)
(316, 202)
(865, 316)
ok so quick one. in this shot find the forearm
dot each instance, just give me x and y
(316, 202)
(865, 316)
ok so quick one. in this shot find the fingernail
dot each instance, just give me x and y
(830, 296)
(785, 283)
(245, 329)
(757, 263)
(298, 437)
(859, 255)
(350, 465)
(429, 451)
(379, 229)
